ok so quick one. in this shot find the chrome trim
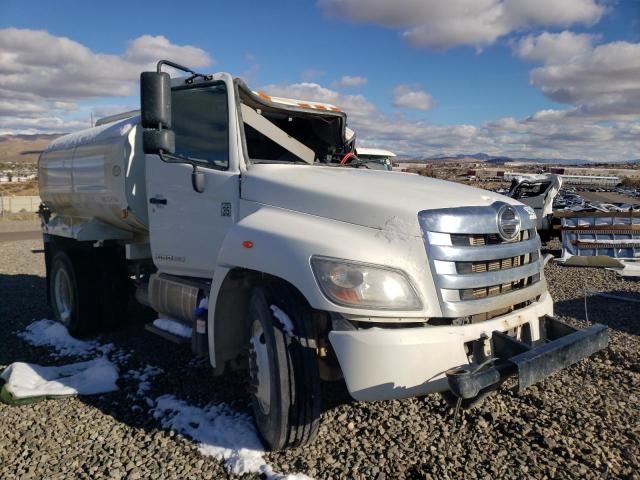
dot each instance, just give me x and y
(470, 220)
(439, 225)
(488, 279)
(482, 253)
(482, 305)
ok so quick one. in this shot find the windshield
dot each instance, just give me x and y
(279, 133)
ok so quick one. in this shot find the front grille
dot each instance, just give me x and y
(483, 292)
(475, 270)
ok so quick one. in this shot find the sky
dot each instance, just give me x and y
(524, 78)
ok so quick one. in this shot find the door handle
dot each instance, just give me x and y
(158, 201)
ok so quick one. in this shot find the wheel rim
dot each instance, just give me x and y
(63, 294)
(260, 369)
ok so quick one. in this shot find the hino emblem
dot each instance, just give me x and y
(508, 223)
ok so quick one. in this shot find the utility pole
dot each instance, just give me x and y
(92, 118)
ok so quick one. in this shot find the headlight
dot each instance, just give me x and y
(362, 285)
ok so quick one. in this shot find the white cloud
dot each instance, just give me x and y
(600, 81)
(547, 134)
(555, 47)
(439, 24)
(148, 49)
(106, 110)
(310, 74)
(355, 81)
(57, 72)
(41, 124)
(412, 96)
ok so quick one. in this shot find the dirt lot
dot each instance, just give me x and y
(581, 423)
(607, 197)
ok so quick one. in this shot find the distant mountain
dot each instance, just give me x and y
(30, 138)
(23, 149)
(498, 159)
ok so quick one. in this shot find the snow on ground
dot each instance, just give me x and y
(84, 378)
(284, 319)
(53, 334)
(172, 326)
(144, 377)
(221, 432)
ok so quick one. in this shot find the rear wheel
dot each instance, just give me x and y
(73, 293)
(283, 366)
(89, 290)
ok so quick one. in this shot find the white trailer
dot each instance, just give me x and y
(247, 218)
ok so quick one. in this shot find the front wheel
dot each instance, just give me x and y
(283, 367)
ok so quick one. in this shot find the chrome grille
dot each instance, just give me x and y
(474, 269)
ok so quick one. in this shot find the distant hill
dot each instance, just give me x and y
(23, 149)
(498, 159)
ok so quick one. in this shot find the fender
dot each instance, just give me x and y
(283, 241)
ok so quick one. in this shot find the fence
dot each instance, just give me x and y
(26, 203)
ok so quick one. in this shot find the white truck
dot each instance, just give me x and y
(249, 220)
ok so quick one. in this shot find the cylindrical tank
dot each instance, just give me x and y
(98, 173)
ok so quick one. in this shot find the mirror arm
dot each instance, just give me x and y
(184, 69)
(174, 65)
(197, 178)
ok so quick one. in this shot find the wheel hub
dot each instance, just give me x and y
(63, 295)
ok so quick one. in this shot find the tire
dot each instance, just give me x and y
(283, 368)
(115, 289)
(73, 288)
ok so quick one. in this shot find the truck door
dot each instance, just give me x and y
(187, 228)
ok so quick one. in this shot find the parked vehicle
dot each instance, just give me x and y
(376, 158)
(245, 218)
(538, 192)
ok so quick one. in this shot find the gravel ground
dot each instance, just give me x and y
(19, 225)
(581, 423)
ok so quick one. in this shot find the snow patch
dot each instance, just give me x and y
(172, 326)
(221, 432)
(84, 378)
(53, 334)
(284, 320)
(144, 377)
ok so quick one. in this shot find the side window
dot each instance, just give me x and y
(200, 121)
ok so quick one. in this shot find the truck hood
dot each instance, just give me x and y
(372, 198)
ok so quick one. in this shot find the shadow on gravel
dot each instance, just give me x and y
(23, 300)
(617, 314)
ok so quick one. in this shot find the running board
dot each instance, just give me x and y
(150, 327)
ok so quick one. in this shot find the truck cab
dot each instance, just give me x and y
(250, 219)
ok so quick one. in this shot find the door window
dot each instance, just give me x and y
(200, 121)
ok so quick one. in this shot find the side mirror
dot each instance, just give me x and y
(155, 105)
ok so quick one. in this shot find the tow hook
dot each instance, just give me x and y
(560, 346)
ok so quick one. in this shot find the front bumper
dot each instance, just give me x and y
(383, 363)
(561, 347)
